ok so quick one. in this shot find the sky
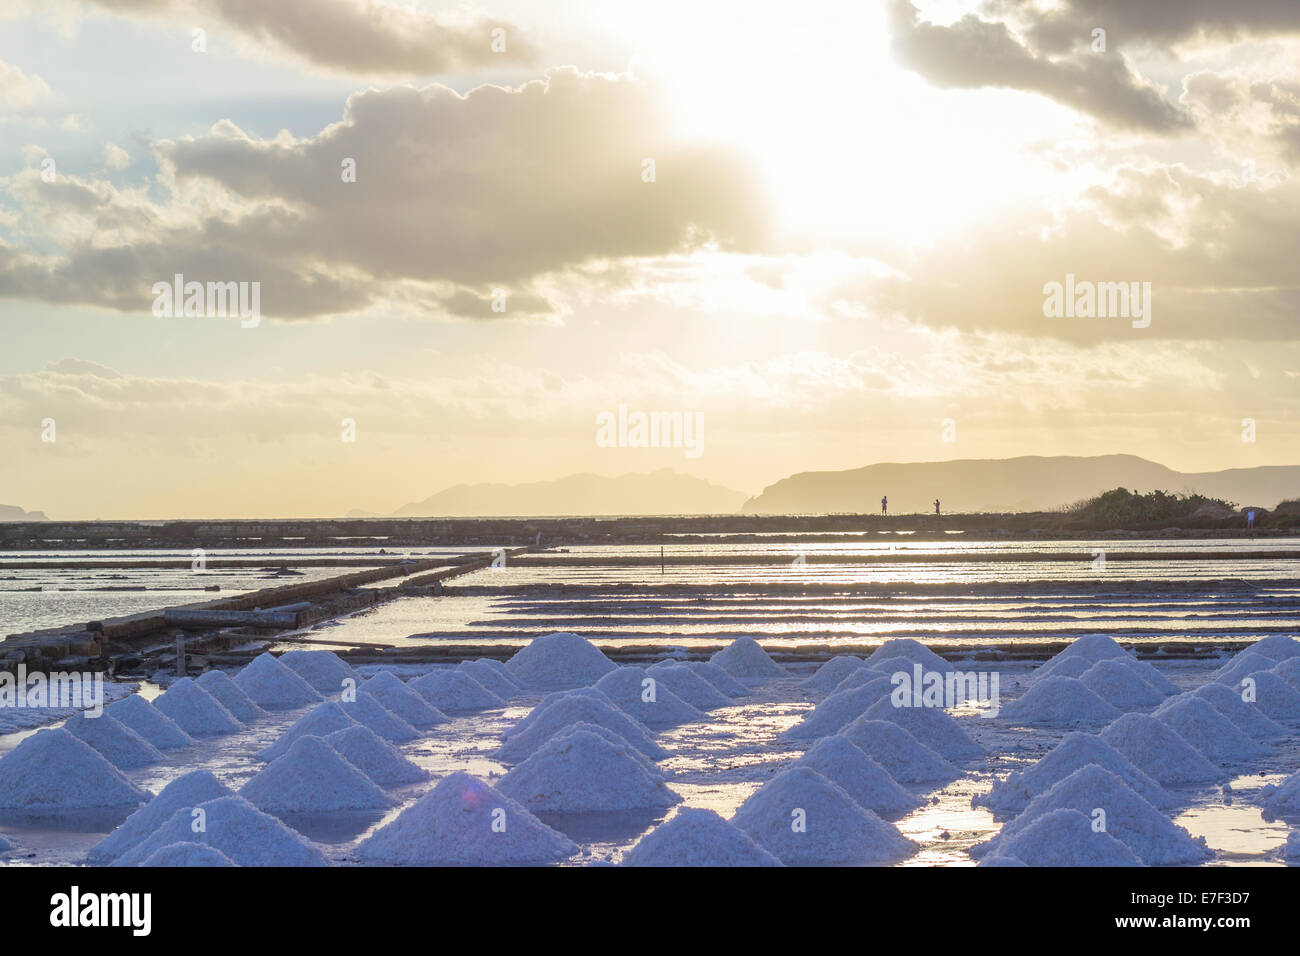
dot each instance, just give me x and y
(825, 231)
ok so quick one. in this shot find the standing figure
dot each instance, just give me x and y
(936, 505)
(884, 504)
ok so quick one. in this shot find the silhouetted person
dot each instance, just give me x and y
(936, 505)
(884, 505)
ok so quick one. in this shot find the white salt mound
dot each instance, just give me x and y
(842, 762)
(559, 662)
(1157, 749)
(197, 712)
(149, 722)
(839, 710)
(1275, 697)
(1066, 838)
(832, 672)
(932, 727)
(320, 721)
(234, 827)
(325, 671)
(1059, 702)
(1091, 648)
(375, 757)
(1246, 662)
(1152, 837)
(648, 765)
(639, 695)
(861, 677)
(227, 693)
(183, 793)
(119, 745)
(366, 710)
(389, 689)
(1279, 647)
(1120, 686)
(188, 854)
(53, 770)
(6, 845)
(1214, 735)
(311, 777)
(831, 827)
(744, 659)
(697, 837)
(998, 859)
(902, 652)
(568, 710)
(904, 757)
(1062, 667)
(465, 822)
(719, 678)
(1151, 675)
(501, 684)
(455, 692)
(1075, 751)
(689, 686)
(580, 773)
(526, 721)
(273, 686)
(1291, 851)
(1247, 717)
(1289, 671)
(1281, 799)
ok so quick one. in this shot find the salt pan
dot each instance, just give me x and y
(639, 695)
(196, 711)
(53, 770)
(464, 822)
(375, 757)
(559, 662)
(236, 828)
(842, 762)
(1059, 702)
(311, 777)
(744, 659)
(149, 722)
(838, 710)
(455, 692)
(321, 720)
(1158, 750)
(389, 689)
(273, 686)
(1066, 838)
(803, 818)
(1120, 686)
(697, 837)
(572, 709)
(931, 726)
(227, 693)
(121, 746)
(183, 793)
(1214, 735)
(689, 686)
(325, 671)
(583, 773)
(1247, 717)
(366, 710)
(188, 854)
(905, 758)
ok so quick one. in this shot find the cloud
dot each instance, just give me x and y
(454, 198)
(358, 36)
(116, 157)
(973, 53)
(1247, 116)
(18, 90)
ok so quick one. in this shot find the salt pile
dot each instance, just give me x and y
(324, 671)
(803, 818)
(904, 757)
(639, 695)
(1214, 735)
(53, 770)
(183, 793)
(609, 736)
(273, 686)
(311, 777)
(1066, 838)
(227, 693)
(689, 686)
(581, 772)
(317, 722)
(1077, 750)
(1279, 647)
(1149, 674)
(903, 651)
(1291, 851)
(998, 859)
(188, 854)
(524, 722)
(1152, 837)
(862, 676)
(719, 678)
(838, 710)
(366, 710)
(375, 757)
(1157, 750)
(149, 722)
(1289, 671)
(234, 827)
(464, 822)
(501, 684)
(1281, 799)
(455, 692)
(1062, 667)
(1059, 702)
(868, 783)
(549, 719)
(1248, 717)
(832, 672)
(931, 726)
(119, 745)
(1088, 649)
(1246, 662)
(558, 662)
(1275, 697)
(697, 837)
(198, 714)
(387, 688)
(6, 845)
(1120, 686)
(744, 659)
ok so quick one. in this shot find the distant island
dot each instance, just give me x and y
(14, 513)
